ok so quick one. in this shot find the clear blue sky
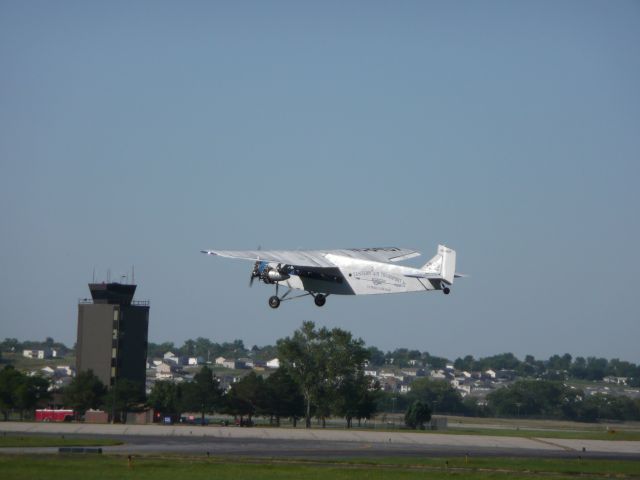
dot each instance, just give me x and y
(138, 133)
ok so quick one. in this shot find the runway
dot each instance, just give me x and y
(316, 443)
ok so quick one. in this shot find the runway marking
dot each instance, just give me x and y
(550, 443)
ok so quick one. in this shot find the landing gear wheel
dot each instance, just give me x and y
(320, 300)
(446, 290)
(274, 302)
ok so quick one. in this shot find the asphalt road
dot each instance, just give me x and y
(316, 443)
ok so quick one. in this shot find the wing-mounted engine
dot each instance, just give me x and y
(269, 272)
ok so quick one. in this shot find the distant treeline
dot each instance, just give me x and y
(556, 367)
(15, 345)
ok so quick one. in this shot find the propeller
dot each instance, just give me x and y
(256, 269)
(254, 273)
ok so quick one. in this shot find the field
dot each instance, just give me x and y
(81, 467)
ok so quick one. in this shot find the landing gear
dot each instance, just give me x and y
(274, 302)
(446, 290)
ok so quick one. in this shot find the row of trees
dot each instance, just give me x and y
(20, 392)
(552, 399)
(556, 367)
(321, 375)
(14, 345)
(276, 397)
(531, 398)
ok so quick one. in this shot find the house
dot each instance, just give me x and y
(616, 380)
(244, 362)
(170, 357)
(64, 371)
(273, 363)
(194, 361)
(464, 390)
(404, 388)
(165, 371)
(230, 363)
(505, 374)
(457, 382)
(439, 374)
(390, 384)
(219, 361)
(490, 373)
(371, 373)
(37, 354)
(47, 371)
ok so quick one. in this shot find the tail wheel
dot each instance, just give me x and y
(274, 302)
(446, 290)
(320, 300)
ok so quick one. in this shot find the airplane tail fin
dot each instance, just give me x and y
(443, 264)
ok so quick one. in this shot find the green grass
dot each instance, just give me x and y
(81, 467)
(53, 441)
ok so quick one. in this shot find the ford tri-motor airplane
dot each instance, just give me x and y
(353, 271)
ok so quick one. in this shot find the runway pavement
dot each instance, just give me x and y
(316, 443)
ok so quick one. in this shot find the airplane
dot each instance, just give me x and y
(352, 271)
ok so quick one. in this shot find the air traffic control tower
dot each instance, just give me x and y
(112, 334)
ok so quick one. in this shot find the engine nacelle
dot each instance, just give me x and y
(272, 275)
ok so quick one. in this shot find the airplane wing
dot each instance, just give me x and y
(298, 258)
(317, 258)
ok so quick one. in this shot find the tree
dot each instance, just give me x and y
(283, 397)
(532, 397)
(320, 361)
(10, 345)
(165, 397)
(188, 348)
(30, 392)
(439, 394)
(123, 397)
(10, 381)
(357, 398)
(376, 356)
(155, 350)
(86, 391)
(203, 394)
(301, 356)
(417, 414)
(246, 397)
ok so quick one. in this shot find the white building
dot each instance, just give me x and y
(273, 363)
(164, 371)
(37, 354)
(193, 361)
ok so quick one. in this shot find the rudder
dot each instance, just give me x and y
(442, 264)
